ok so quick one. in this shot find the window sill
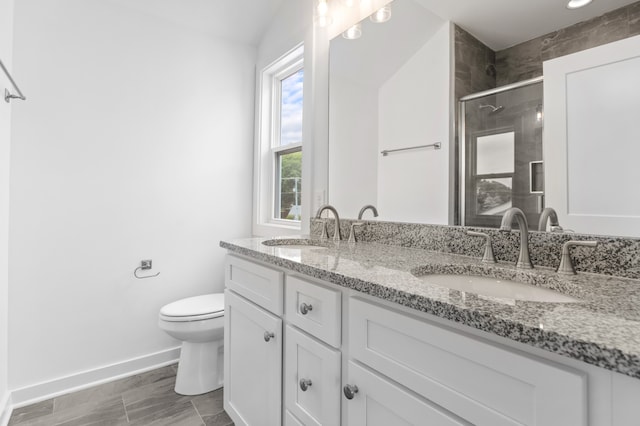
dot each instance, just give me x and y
(275, 229)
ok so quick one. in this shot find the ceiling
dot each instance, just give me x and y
(504, 23)
(397, 40)
(497, 23)
(242, 21)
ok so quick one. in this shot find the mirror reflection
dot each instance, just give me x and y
(391, 88)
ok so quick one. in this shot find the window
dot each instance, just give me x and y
(279, 138)
(288, 145)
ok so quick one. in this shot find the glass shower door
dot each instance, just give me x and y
(502, 155)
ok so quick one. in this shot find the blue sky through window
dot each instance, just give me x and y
(291, 109)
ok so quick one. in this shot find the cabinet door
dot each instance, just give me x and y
(486, 384)
(312, 379)
(379, 402)
(253, 363)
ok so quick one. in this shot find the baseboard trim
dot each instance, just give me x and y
(5, 410)
(86, 379)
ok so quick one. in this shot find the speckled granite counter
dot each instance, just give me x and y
(603, 329)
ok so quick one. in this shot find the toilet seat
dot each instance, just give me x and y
(196, 308)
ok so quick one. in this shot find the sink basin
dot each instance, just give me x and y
(296, 243)
(497, 288)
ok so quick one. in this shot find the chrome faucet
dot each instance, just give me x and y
(336, 233)
(524, 260)
(550, 215)
(566, 264)
(364, 209)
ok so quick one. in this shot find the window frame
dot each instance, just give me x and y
(268, 149)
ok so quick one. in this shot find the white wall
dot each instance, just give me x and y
(6, 31)
(413, 186)
(135, 143)
(353, 152)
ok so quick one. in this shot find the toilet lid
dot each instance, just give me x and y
(206, 304)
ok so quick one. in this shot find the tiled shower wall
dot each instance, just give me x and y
(524, 61)
(474, 61)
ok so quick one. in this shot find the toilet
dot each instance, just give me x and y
(199, 323)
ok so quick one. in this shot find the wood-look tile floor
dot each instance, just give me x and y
(143, 399)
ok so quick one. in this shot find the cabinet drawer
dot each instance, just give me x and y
(257, 283)
(481, 382)
(311, 379)
(315, 309)
(380, 402)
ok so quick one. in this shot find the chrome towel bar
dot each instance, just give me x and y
(8, 95)
(436, 145)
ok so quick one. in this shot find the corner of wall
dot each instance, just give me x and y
(6, 408)
(6, 53)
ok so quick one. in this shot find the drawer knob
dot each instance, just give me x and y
(304, 308)
(350, 391)
(305, 384)
(268, 335)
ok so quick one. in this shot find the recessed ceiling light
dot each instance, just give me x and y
(575, 4)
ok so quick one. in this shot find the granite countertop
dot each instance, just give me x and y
(602, 329)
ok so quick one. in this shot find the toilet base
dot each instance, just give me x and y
(200, 368)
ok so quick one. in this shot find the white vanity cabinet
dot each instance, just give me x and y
(409, 368)
(483, 384)
(252, 344)
(257, 376)
(312, 371)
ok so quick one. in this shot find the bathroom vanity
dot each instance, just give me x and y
(328, 333)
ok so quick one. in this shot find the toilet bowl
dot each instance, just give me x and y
(199, 323)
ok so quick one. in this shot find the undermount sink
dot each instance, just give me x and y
(296, 243)
(498, 288)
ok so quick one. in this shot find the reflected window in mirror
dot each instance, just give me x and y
(494, 167)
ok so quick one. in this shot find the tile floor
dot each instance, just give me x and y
(143, 399)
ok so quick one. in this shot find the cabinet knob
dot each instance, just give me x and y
(268, 335)
(350, 391)
(304, 308)
(305, 384)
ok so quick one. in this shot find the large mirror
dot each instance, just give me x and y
(391, 90)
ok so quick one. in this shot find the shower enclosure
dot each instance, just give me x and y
(501, 154)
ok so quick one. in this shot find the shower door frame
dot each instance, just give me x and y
(462, 137)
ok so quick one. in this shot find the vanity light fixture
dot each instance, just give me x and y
(322, 17)
(575, 4)
(381, 15)
(353, 32)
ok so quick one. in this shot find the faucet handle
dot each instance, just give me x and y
(325, 232)
(566, 263)
(488, 256)
(352, 234)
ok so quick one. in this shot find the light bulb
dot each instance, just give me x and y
(322, 17)
(575, 4)
(381, 15)
(353, 32)
(323, 7)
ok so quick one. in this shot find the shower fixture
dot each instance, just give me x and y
(493, 108)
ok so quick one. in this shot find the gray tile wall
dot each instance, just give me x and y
(475, 64)
(524, 61)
